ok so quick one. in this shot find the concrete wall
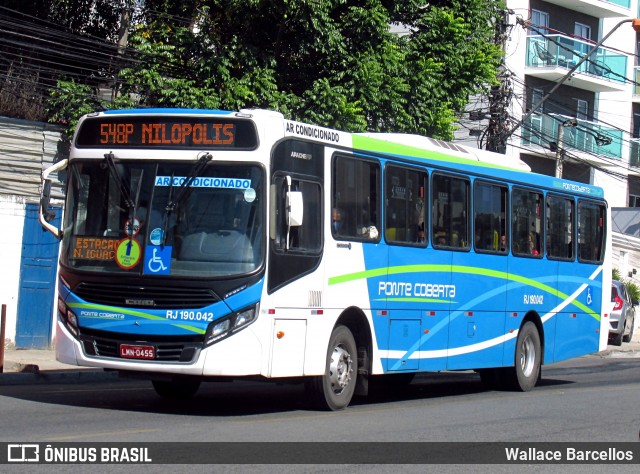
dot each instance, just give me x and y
(26, 148)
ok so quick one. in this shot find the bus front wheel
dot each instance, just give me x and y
(334, 389)
(528, 358)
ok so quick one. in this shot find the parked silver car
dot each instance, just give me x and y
(623, 314)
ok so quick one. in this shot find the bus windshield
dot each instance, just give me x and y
(164, 219)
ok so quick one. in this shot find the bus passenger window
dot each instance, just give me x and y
(355, 192)
(490, 217)
(405, 210)
(591, 231)
(559, 228)
(450, 212)
(526, 222)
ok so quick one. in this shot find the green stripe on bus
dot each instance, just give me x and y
(431, 268)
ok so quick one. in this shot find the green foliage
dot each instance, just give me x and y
(330, 62)
(632, 288)
(615, 274)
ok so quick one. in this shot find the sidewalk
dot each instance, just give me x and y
(27, 366)
(23, 366)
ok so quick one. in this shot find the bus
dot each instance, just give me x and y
(207, 245)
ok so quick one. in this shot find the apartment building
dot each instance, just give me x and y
(572, 110)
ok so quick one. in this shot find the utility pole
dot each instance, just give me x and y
(123, 38)
(560, 146)
(560, 151)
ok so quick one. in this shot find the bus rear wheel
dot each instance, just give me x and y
(334, 390)
(528, 358)
(177, 388)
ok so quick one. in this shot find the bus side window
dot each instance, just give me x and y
(591, 231)
(405, 210)
(559, 228)
(490, 217)
(356, 184)
(450, 211)
(306, 237)
(526, 219)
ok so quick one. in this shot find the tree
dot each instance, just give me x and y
(330, 62)
(47, 40)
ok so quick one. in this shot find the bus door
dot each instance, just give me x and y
(407, 275)
(579, 297)
(295, 253)
(479, 275)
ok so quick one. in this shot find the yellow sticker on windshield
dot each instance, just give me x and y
(128, 253)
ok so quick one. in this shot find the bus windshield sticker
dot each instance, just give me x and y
(205, 182)
(155, 237)
(128, 253)
(250, 195)
(132, 229)
(157, 260)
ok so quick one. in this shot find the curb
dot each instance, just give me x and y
(57, 376)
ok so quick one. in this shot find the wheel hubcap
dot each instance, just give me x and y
(340, 369)
(527, 357)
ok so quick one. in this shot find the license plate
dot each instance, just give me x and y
(129, 351)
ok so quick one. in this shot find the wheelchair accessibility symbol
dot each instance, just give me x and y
(589, 297)
(157, 260)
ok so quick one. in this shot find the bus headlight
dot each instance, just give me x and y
(68, 317)
(220, 329)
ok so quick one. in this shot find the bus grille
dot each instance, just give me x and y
(146, 296)
(165, 351)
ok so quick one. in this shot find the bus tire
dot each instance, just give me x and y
(334, 390)
(528, 358)
(176, 389)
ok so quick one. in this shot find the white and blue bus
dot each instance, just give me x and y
(204, 244)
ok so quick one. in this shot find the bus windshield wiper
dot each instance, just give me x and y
(113, 169)
(129, 203)
(172, 204)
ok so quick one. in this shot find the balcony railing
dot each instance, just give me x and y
(622, 3)
(589, 137)
(565, 52)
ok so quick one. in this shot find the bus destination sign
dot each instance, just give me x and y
(166, 132)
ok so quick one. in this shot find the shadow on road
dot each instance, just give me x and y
(237, 398)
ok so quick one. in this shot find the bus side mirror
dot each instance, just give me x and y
(45, 215)
(295, 208)
(45, 200)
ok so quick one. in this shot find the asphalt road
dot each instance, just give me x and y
(585, 399)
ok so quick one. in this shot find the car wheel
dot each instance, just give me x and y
(630, 336)
(617, 338)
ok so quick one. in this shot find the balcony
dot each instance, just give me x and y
(551, 57)
(587, 137)
(597, 8)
